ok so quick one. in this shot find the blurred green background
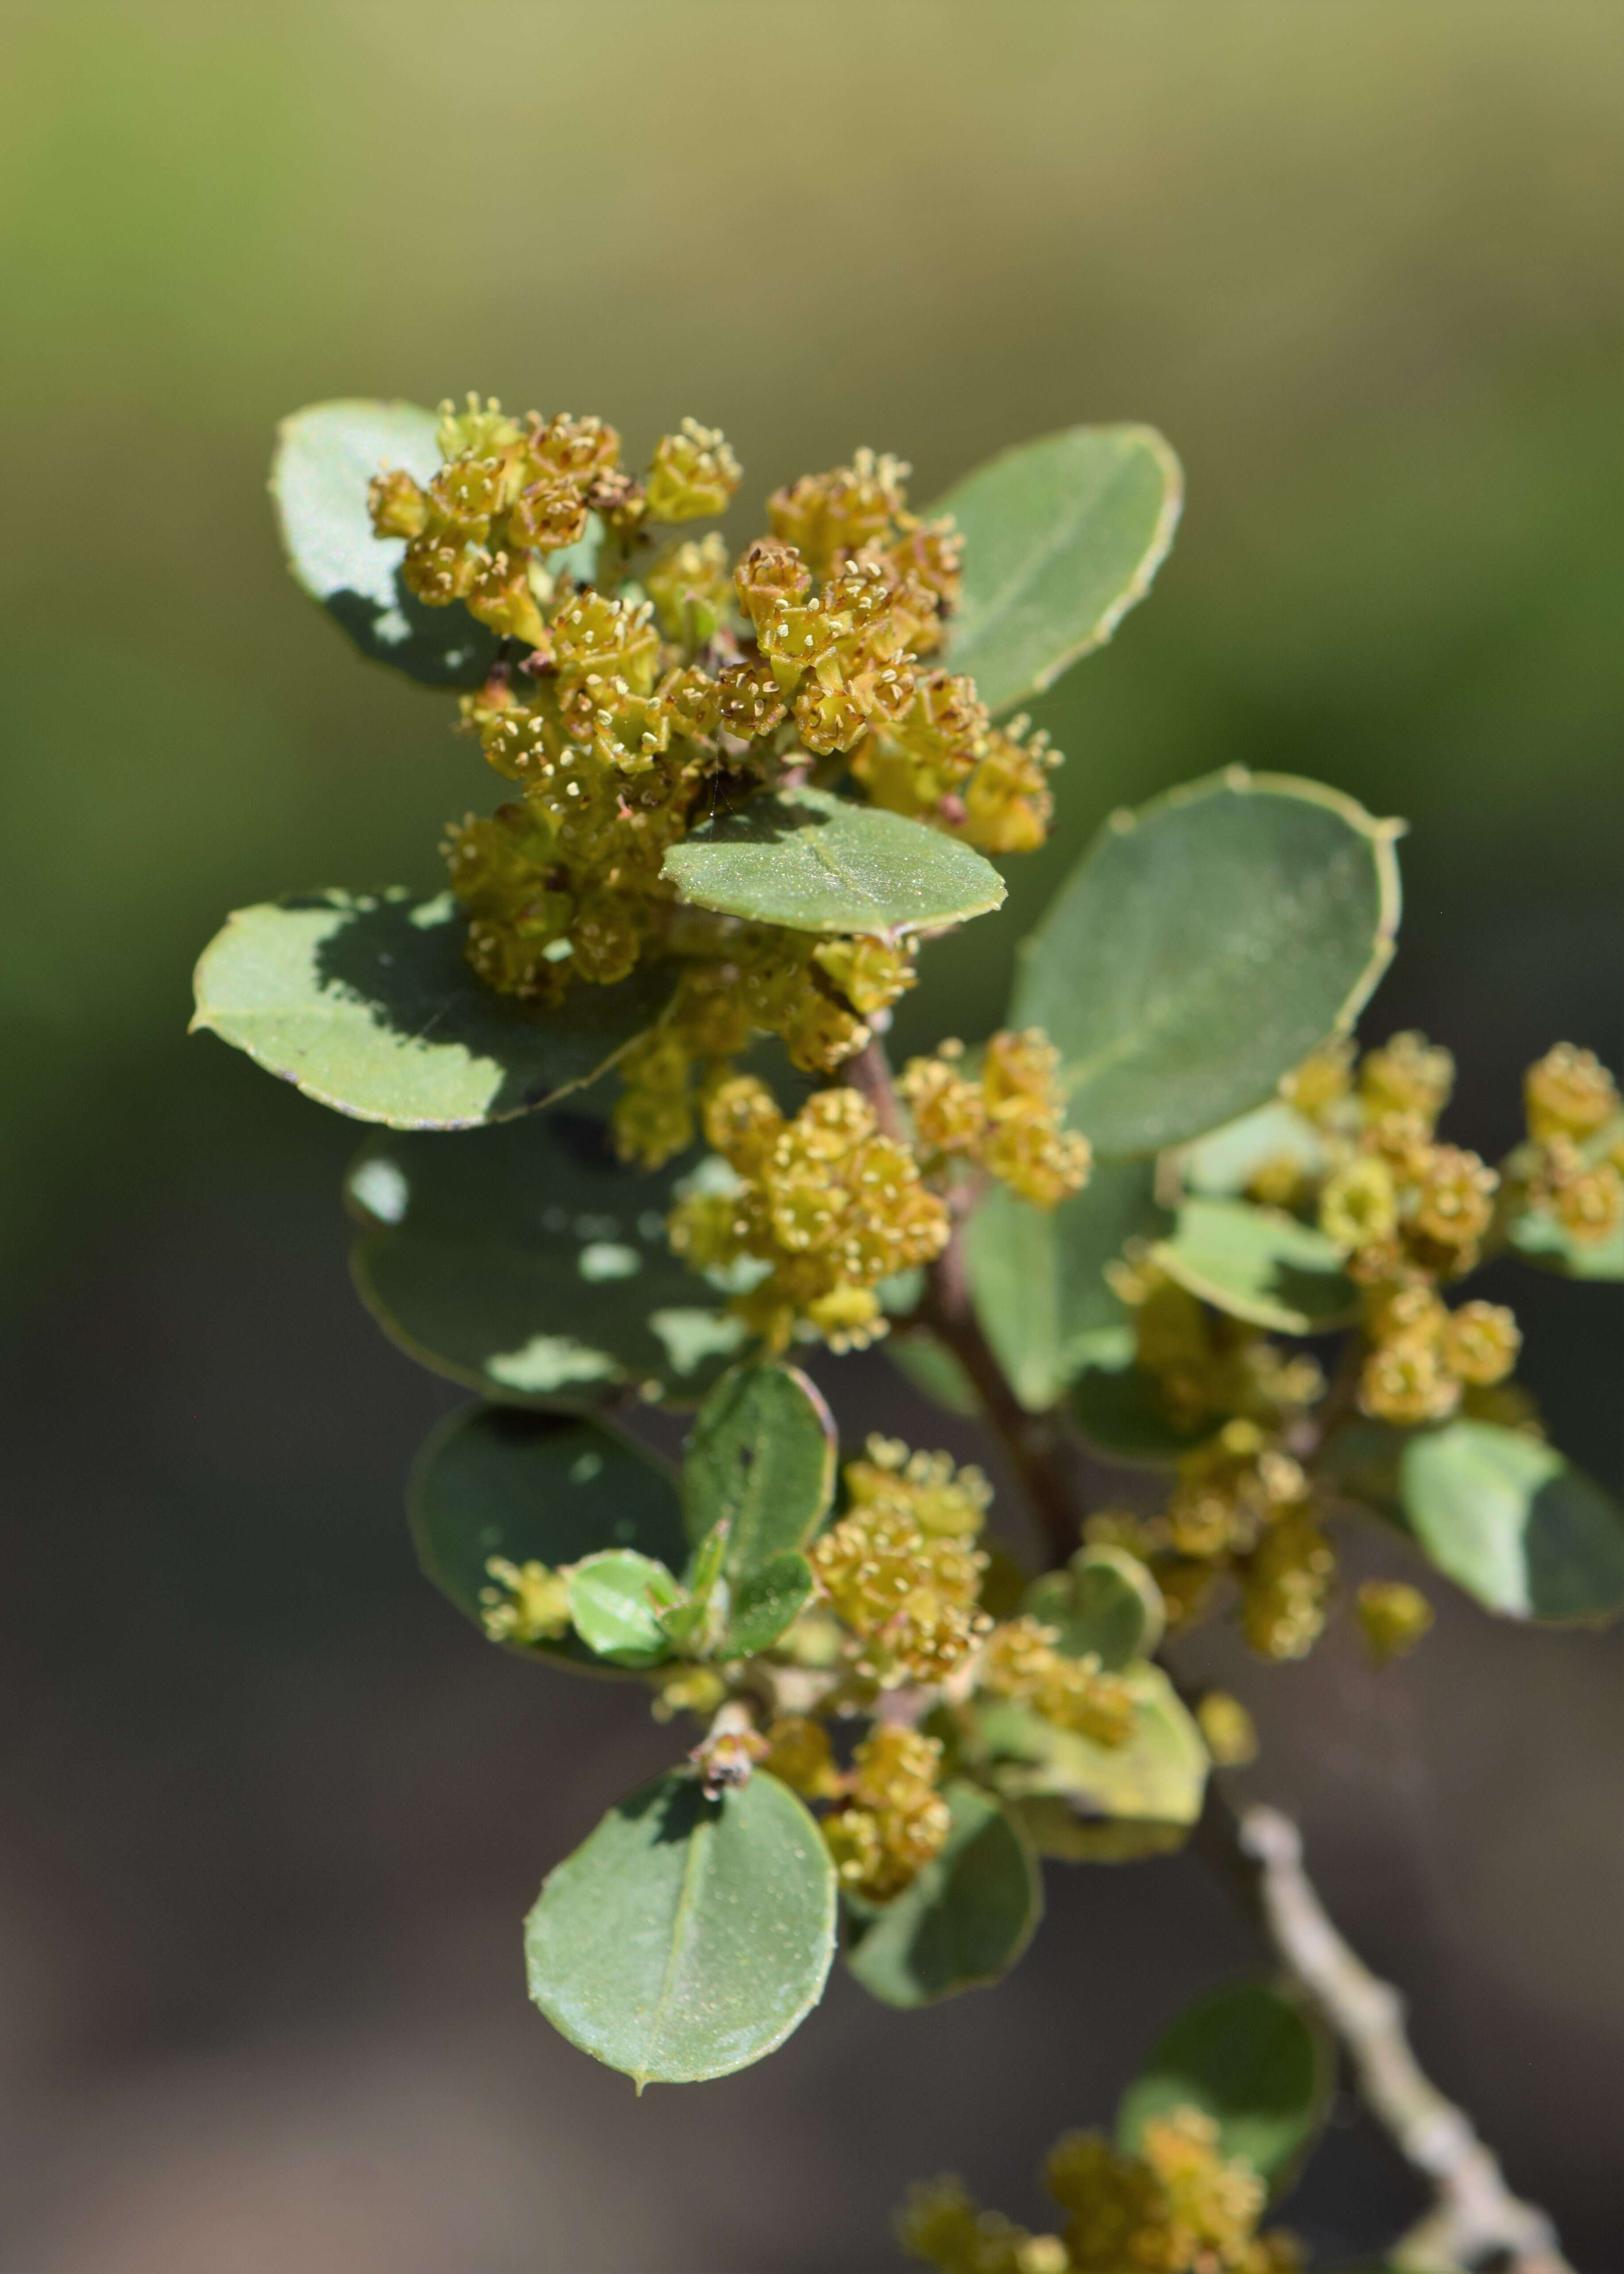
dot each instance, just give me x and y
(272, 1822)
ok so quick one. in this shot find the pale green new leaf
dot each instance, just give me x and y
(1062, 536)
(1038, 1275)
(962, 1921)
(1259, 1264)
(819, 863)
(760, 1458)
(528, 1262)
(1509, 1520)
(1203, 947)
(615, 1599)
(533, 1488)
(1154, 1783)
(1249, 2056)
(686, 1936)
(365, 1002)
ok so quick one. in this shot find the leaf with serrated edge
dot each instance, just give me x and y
(1062, 537)
(819, 863)
(529, 1263)
(1250, 2056)
(685, 1938)
(760, 1458)
(1261, 1265)
(533, 1488)
(365, 1003)
(1203, 947)
(1509, 1520)
(963, 1920)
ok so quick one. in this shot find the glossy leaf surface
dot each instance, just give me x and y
(963, 1921)
(766, 1600)
(533, 1487)
(760, 1458)
(326, 456)
(1203, 947)
(1513, 1524)
(1062, 536)
(530, 1263)
(1038, 1275)
(685, 1938)
(365, 1002)
(615, 1599)
(818, 863)
(1259, 1264)
(1248, 2056)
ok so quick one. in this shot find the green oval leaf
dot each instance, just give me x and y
(533, 1488)
(364, 1002)
(766, 1601)
(935, 1371)
(760, 1458)
(325, 455)
(1117, 1404)
(530, 1264)
(814, 863)
(1203, 947)
(1259, 1264)
(615, 1599)
(686, 1936)
(1512, 1522)
(1250, 2056)
(963, 1921)
(1105, 1603)
(1541, 1238)
(1062, 536)
(1159, 1777)
(1038, 1275)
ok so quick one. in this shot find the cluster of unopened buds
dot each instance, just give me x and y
(637, 691)
(1178, 2206)
(822, 1209)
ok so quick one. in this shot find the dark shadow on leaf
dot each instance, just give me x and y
(437, 647)
(412, 980)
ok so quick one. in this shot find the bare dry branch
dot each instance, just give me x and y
(1475, 2216)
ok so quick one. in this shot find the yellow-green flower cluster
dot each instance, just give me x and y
(893, 1820)
(1572, 1166)
(1020, 1661)
(639, 690)
(1241, 1505)
(1202, 1366)
(1177, 2207)
(900, 1570)
(1009, 1118)
(830, 1206)
(525, 1602)
(1393, 1617)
